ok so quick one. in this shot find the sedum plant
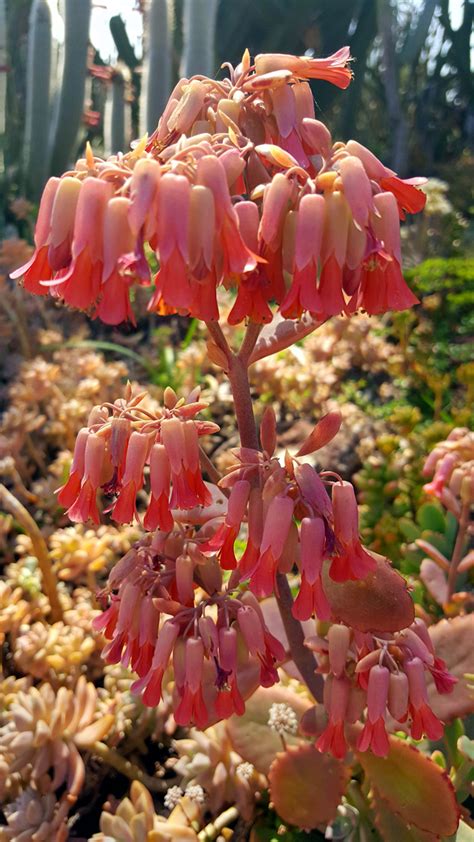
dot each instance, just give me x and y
(240, 187)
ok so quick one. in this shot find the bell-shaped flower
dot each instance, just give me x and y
(180, 439)
(158, 513)
(70, 490)
(224, 538)
(423, 720)
(303, 293)
(332, 69)
(234, 257)
(191, 707)
(150, 685)
(336, 699)
(374, 735)
(350, 560)
(114, 305)
(62, 222)
(80, 285)
(334, 244)
(275, 531)
(136, 456)
(85, 504)
(172, 281)
(38, 268)
(311, 599)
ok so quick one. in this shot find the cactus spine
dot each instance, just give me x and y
(37, 97)
(156, 78)
(71, 97)
(199, 28)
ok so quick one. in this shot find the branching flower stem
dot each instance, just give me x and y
(239, 383)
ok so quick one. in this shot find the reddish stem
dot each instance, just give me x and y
(239, 383)
(458, 548)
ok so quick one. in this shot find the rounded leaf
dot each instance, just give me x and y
(380, 602)
(452, 640)
(250, 734)
(414, 787)
(306, 786)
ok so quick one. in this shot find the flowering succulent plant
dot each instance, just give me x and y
(241, 188)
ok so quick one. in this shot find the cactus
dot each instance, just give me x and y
(116, 112)
(71, 98)
(156, 78)
(37, 97)
(3, 82)
(199, 27)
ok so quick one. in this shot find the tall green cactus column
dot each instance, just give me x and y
(37, 122)
(199, 29)
(71, 99)
(156, 78)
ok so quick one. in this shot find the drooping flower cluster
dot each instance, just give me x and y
(384, 674)
(155, 619)
(238, 186)
(291, 519)
(112, 451)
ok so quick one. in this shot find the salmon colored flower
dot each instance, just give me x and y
(85, 504)
(38, 268)
(332, 69)
(350, 560)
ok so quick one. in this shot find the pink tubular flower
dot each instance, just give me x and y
(224, 538)
(336, 698)
(144, 185)
(382, 286)
(374, 735)
(137, 452)
(68, 493)
(332, 69)
(351, 561)
(80, 285)
(150, 684)
(62, 222)
(334, 244)
(38, 268)
(85, 504)
(192, 707)
(303, 293)
(180, 439)
(398, 696)
(172, 282)
(158, 513)
(229, 699)
(444, 469)
(311, 599)
(275, 532)
(423, 720)
(235, 254)
(114, 305)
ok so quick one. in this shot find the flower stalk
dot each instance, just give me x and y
(9, 502)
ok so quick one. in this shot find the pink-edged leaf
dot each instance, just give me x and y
(324, 431)
(281, 333)
(306, 786)
(452, 640)
(380, 602)
(414, 787)
(250, 734)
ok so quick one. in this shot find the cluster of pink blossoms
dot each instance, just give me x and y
(153, 623)
(120, 439)
(240, 186)
(384, 674)
(452, 463)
